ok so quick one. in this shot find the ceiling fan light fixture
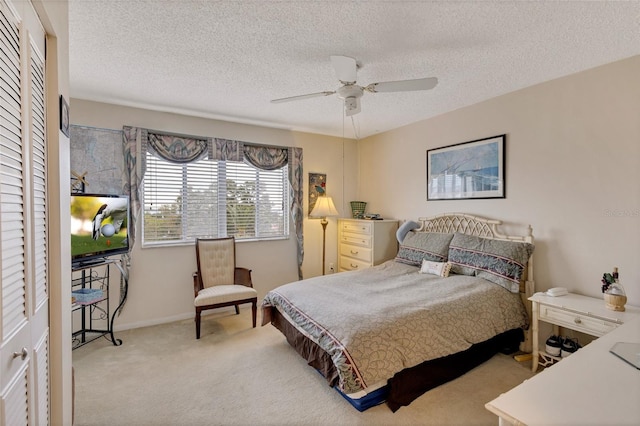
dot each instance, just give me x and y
(350, 103)
(351, 106)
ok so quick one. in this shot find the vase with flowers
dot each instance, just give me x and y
(614, 295)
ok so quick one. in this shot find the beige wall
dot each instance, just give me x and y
(160, 280)
(573, 172)
(573, 157)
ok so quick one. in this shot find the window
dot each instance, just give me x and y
(212, 199)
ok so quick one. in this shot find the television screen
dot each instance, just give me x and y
(99, 226)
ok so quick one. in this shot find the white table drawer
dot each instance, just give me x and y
(355, 239)
(576, 321)
(357, 227)
(359, 253)
(350, 264)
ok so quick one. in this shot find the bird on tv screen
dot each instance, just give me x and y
(99, 226)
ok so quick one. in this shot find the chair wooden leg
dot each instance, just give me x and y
(197, 324)
(254, 311)
(237, 310)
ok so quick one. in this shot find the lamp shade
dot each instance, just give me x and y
(324, 208)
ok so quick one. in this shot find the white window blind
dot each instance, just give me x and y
(212, 199)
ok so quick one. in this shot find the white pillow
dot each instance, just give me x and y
(435, 268)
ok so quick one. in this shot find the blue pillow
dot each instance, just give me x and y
(404, 228)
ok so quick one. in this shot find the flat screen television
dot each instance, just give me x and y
(99, 227)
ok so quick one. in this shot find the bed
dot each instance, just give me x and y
(454, 296)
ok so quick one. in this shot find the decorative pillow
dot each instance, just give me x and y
(416, 246)
(435, 268)
(501, 262)
(404, 228)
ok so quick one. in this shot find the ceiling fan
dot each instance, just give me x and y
(346, 69)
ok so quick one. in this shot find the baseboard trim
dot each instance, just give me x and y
(166, 320)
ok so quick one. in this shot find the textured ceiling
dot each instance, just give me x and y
(228, 59)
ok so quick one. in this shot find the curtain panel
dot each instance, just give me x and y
(225, 149)
(184, 149)
(134, 141)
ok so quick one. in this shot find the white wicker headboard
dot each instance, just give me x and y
(486, 228)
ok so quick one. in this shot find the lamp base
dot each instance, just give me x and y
(324, 223)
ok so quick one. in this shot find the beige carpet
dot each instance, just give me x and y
(236, 375)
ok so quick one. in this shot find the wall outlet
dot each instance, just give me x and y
(331, 268)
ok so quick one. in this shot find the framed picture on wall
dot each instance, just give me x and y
(468, 170)
(64, 116)
(317, 187)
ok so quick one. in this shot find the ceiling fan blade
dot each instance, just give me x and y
(403, 85)
(346, 69)
(296, 98)
(351, 106)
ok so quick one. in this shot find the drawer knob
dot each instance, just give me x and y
(22, 354)
(353, 252)
(577, 320)
(354, 266)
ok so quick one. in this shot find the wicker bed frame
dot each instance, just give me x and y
(486, 228)
(409, 384)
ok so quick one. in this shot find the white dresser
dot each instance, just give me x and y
(365, 243)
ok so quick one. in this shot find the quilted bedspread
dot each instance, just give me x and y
(378, 321)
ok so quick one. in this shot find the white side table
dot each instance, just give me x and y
(585, 314)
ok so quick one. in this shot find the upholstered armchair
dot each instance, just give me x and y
(218, 282)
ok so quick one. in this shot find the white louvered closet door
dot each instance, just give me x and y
(24, 319)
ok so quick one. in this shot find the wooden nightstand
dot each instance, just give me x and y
(587, 315)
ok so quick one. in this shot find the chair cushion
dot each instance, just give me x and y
(223, 294)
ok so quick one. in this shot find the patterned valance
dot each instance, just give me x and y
(177, 149)
(265, 158)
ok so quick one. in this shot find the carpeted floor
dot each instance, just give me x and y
(236, 375)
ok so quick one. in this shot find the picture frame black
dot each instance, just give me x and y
(317, 188)
(467, 170)
(64, 116)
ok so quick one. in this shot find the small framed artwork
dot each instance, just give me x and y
(317, 187)
(64, 116)
(468, 170)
